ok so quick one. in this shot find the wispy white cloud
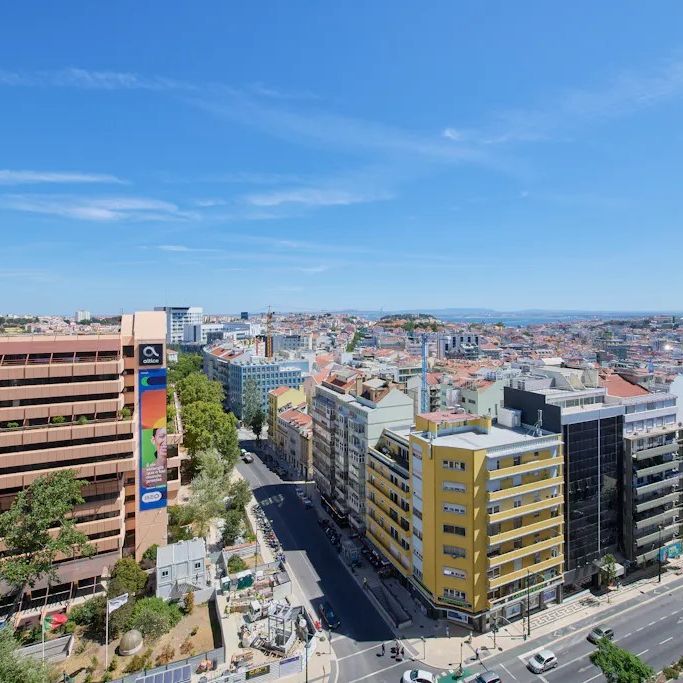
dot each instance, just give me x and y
(312, 270)
(626, 93)
(17, 177)
(183, 249)
(311, 196)
(105, 209)
(209, 203)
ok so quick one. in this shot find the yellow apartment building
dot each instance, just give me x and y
(279, 399)
(487, 518)
(388, 504)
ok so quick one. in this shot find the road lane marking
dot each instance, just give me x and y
(652, 623)
(508, 672)
(666, 640)
(662, 618)
(640, 654)
(638, 630)
(354, 654)
(381, 671)
(626, 635)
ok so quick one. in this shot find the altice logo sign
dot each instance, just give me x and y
(150, 354)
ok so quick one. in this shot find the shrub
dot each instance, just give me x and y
(127, 577)
(139, 662)
(12, 425)
(113, 664)
(194, 630)
(82, 420)
(151, 554)
(189, 602)
(671, 672)
(153, 617)
(94, 662)
(125, 413)
(88, 612)
(186, 648)
(166, 655)
(106, 677)
(58, 420)
(236, 564)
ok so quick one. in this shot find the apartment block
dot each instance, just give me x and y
(388, 503)
(347, 421)
(177, 317)
(592, 432)
(94, 404)
(280, 399)
(651, 494)
(487, 518)
(295, 436)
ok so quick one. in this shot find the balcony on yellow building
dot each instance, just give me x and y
(523, 488)
(526, 530)
(547, 503)
(526, 550)
(533, 568)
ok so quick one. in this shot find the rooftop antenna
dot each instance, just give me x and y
(537, 429)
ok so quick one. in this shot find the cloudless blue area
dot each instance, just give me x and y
(341, 155)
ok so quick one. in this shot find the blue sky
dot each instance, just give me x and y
(331, 155)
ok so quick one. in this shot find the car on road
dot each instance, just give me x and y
(418, 676)
(247, 457)
(299, 491)
(600, 632)
(542, 661)
(308, 503)
(488, 677)
(329, 618)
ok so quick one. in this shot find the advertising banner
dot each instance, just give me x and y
(152, 412)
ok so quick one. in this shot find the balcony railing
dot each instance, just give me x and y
(525, 551)
(666, 534)
(664, 483)
(657, 500)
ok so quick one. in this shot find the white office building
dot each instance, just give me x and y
(177, 317)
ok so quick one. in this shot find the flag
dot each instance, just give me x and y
(53, 621)
(115, 603)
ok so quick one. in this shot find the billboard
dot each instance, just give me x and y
(152, 412)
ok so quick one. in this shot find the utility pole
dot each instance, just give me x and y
(528, 604)
(659, 555)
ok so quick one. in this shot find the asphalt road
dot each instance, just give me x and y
(320, 575)
(650, 625)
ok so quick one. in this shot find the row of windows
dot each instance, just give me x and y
(454, 551)
(454, 508)
(38, 381)
(455, 573)
(457, 465)
(454, 486)
(452, 529)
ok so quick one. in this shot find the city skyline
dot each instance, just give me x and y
(326, 158)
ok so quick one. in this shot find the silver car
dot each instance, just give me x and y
(542, 661)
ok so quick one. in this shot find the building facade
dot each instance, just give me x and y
(592, 433)
(294, 441)
(345, 426)
(280, 399)
(96, 405)
(177, 317)
(487, 518)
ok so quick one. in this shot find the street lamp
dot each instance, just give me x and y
(424, 648)
(528, 604)
(659, 554)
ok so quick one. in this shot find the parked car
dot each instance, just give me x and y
(542, 661)
(599, 632)
(327, 615)
(299, 491)
(488, 677)
(247, 457)
(418, 676)
(308, 503)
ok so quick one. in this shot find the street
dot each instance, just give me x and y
(648, 625)
(319, 573)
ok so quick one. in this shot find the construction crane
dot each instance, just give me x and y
(269, 333)
(424, 398)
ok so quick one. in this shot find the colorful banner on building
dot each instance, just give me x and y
(152, 412)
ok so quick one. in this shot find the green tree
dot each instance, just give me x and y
(198, 387)
(126, 577)
(207, 426)
(240, 494)
(15, 668)
(208, 490)
(256, 423)
(251, 400)
(236, 564)
(609, 569)
(151, 553)
(233, 522)
(619, 665)
(187, 364)
(39, 526)
(153, 617)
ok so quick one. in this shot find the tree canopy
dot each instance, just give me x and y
(198, 387)
(619, 665)
(252, 407)
(207, 426)
(39, 526)
(187, 363)
(208, 490)
(126, 577)
(17, 669)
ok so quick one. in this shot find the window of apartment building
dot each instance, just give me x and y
(454, 551)
(393, 533)
(455, 573)
(417, 573)
(164, 573)
(518, 523)
(404, 544)
(454, 465)
(493, 508)
(518, 502)
(453, 593)
(452, 529)
(417, 533)
(454, 486)
(517, 543)
(454, 508)
(494, 573)
(537, 558)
